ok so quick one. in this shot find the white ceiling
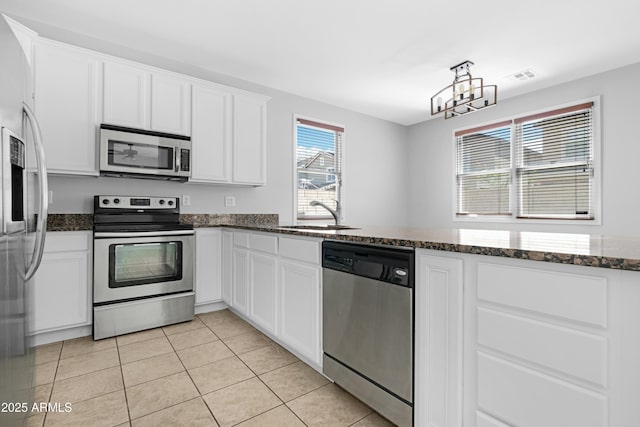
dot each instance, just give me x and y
(384, 58)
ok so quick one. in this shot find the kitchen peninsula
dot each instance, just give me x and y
(502, 317)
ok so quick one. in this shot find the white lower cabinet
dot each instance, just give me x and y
(438, 341)
(263, 276)
(208, 266)
(276, 285)
(60, 292)
(227, 267)
(540, 344)
(240, 290)
(299, 308)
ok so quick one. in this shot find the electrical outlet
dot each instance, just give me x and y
(229, 200)
(186, 200)
(50, 197)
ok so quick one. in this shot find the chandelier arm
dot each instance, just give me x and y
(465, 91)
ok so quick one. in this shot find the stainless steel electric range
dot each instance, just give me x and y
(142, 264)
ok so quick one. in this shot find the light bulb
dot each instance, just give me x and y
(461, 90)
(439, 101)
(471, 91)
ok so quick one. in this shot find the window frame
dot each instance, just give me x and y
(514, 194)
(325, 219)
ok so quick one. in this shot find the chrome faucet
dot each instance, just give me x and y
(335, 213)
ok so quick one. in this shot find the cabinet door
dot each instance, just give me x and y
(66, 103)
(227, 267)
(61, 288)
(170, 104)
(262, 301)
(210, 134)
(299, 309)
(249, 140)
(208, 266)
(240, 279)
(438, 341)
(126, 95)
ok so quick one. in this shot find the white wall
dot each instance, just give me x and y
(430, 150)
(375, 155)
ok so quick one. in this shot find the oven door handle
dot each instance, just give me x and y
(109, 234)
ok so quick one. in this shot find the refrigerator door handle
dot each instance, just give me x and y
(41, 220)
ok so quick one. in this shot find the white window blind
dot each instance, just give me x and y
(484, 170)
(554, 170)
(319, 165)
(548, 156)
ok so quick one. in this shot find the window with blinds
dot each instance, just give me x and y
(318, 167)
(548, 157)
(484, 170)
(554, 170)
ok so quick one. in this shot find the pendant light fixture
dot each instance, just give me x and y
(465, 95)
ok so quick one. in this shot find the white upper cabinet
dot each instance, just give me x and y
(75, 90)
(249, 139)
(210, 134)
(66, 101)
(137, 97)
(170, 104)
(126, 95)
(228, 136)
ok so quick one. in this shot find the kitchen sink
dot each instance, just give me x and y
(319, 227)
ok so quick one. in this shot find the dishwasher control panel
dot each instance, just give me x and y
(387, 264)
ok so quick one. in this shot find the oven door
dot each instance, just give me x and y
(131, 265)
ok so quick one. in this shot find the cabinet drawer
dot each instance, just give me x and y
(65, 241)
(545, 344)
(241, 239)
(264, 242)
(301, 249)
(570, 296)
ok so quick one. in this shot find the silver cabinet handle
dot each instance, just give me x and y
(41, 221)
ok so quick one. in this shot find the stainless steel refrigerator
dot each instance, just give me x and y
(23, 214)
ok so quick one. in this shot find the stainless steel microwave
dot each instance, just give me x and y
(144, 154)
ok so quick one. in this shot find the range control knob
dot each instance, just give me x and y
(170, 202)
(116, 201)
(161, 202)
(105, 201)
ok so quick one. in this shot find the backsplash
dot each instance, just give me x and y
(78, 222)
(205, 220)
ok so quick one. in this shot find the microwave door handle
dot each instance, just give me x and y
(177, 162)
(41, 219)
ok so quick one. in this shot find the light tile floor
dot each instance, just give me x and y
(216, 370)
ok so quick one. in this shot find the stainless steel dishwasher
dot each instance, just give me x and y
(367, 321)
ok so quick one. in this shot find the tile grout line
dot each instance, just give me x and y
(260, 379)
(283, 402)
(53, 383)
(237, 355)
(124, 386)
(189, 373)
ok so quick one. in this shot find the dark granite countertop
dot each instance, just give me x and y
(593, 250)
(621, 253)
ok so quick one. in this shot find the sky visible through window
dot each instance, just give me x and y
(312, 140)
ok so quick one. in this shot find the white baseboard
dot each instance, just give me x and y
(211, 306)
(83, 331)
(61, 335)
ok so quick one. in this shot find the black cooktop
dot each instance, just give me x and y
(126, 214)
(138, 227)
